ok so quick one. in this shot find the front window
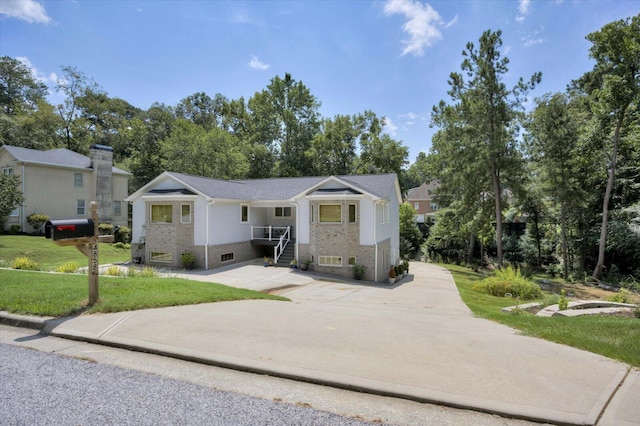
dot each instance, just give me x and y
(185, 213)
(329, 260)
(353, 213)
(77, 180)
(330, 213)
(244, 213)
(283, 212)
(117, 208)
(161, 213)
(161, 256)
(80, 210)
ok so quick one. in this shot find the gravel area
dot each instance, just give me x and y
(45, 389)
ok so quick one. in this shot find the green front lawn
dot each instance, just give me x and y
(612, 336)
(47, 294)
(49, 256)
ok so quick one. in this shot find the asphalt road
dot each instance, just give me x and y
(40, 389)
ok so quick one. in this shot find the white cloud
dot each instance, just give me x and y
(26, 10)
(411, 118)
(523, 9)
(390, 127)
(533, 38)
(421, 24)
(256, 64)
(51, 78)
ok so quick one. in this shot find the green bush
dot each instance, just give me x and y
(122, 234)
(119, 245)
(15, 229)
(68, 267)
(509, 281)
(622, 296)
(149, 272)
(37, 220)
(114, 270)
(105, 228)
(24, 263)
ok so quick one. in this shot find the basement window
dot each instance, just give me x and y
(227, 257)
(160, 256)
(330, 260)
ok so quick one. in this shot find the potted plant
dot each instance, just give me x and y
(266, 261)
(405, 265)
(293, 264)
(188, 260)
(304, 265)
(392, 275)
(358, 271)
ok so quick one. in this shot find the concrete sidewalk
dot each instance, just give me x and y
(416, 340)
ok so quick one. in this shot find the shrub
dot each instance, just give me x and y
(509, 281)
(37, 220)
(118, 245)
(149, 272)
(114, 270)
(563, 303)
(68, 267)
(188, 260)
(122, 234)
(24, 263)
(622, 296)
(15, 229)
(105, 228)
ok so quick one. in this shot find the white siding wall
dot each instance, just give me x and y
(225, 226)
(199, 222)
(366, 219)
(304, 213)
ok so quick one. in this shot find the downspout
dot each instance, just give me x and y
(206, 235)
(295, 245)
(375, 240)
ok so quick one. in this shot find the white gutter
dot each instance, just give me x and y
(295, 245)
(206, 238)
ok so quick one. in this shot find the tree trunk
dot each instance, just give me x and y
(498, 198)
(597, 272)
(472, 246)
(563, 227)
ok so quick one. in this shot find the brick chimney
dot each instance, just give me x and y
(101, 157)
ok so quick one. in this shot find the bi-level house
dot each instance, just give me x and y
(333, 222)
(62, 183)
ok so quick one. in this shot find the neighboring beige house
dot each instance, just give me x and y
(334, 222)
(61, 183)
(421, 198)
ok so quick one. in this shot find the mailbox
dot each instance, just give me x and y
(69, 229)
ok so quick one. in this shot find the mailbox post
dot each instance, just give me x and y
(83, 234)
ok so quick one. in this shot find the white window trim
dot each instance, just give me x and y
(7, 171)
(248, 213)
(182, 216)
(78, 183)
(84, 207)
(330, 204)
(117, 202)
(322, 261)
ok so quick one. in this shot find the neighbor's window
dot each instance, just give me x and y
(15, 213)
(77, 180)
(434, 206)
(185, 213)
(329, 260)
(353, 213)
(227, 257)
(244, 213)
(416, 205)
(161, 256)
(117, 208)
(385, 212)
(330, 213)
(7, 170)
(283, 212)
(161, 213)
(80, 207)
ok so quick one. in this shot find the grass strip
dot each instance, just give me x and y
(47, 294)
(612, 336)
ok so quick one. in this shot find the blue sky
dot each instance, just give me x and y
(393, 57)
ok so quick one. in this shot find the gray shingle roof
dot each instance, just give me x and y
(282, 188)
(61, 157)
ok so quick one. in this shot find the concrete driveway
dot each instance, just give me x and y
(416, 340)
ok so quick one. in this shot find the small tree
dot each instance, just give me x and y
(10, 196)
(410, 235)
